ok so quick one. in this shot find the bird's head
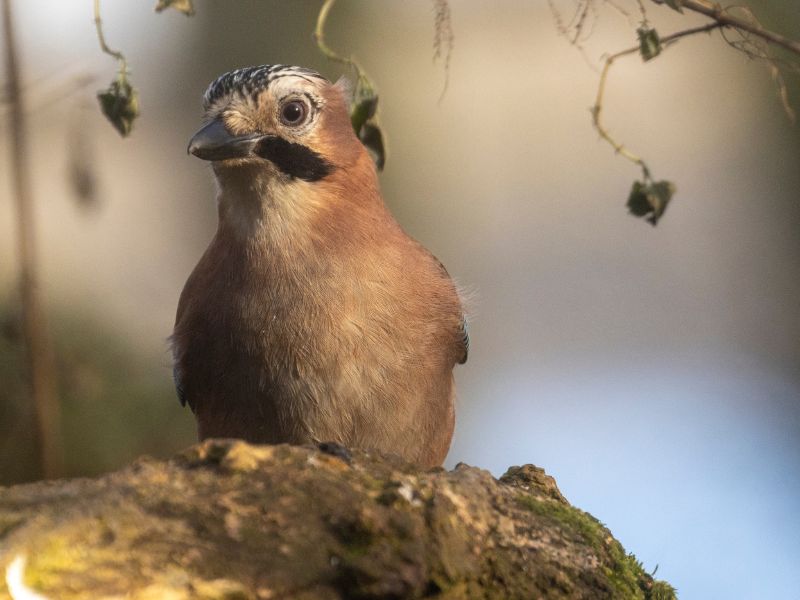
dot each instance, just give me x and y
(288, 120)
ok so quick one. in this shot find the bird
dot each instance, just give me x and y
(312, 316)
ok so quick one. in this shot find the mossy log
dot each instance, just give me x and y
(227, 520)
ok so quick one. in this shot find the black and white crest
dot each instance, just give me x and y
(251, 80)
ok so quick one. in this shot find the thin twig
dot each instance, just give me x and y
(597, 109)
(560, 27)
(98, 25)
(642, 11)
(580, 23)
(613, 4)
(783, 92)
(39, 352)
(758, 48)
(363, 84)
(674, 37)
(564, 31)
(319, 36)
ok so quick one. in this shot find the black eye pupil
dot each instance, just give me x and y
(293, 112)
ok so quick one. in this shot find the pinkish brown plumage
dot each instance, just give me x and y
(311, 316)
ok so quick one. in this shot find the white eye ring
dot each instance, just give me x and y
(294, 113)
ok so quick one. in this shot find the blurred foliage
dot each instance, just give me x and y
(115, 407)
(184, 6)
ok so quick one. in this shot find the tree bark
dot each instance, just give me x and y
(228, 520)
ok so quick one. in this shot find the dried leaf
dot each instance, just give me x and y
(120, 104)
(649, 43)
(184, 6)
(650, 199)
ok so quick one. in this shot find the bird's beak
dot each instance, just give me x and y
(215, 142)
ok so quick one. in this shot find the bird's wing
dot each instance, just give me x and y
(464, 338)
(463, 332)
(176, 377)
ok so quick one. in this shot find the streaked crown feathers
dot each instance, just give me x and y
(250, 81)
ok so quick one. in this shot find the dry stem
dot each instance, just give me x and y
(597, 109)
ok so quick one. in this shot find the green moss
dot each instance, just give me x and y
(625, 574)
(355, 537)
(571, 518)
(661, 590)
(59, 555)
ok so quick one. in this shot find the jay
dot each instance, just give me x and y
(312, 316)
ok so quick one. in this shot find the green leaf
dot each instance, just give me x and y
(372, 137)
(675, 5)
(650, 199)
(649, 43)
(120, 104)
(362, 117)
(362, 111)
(184, 6)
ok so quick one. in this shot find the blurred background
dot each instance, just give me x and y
(655, 372)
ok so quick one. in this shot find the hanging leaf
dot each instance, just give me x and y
(184, 6)
(649, 199)
(362, 111)
(362, 117)
(649, 43)
(120, 104)
(372, 137)
(675, 5)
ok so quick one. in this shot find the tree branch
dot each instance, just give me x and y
(725, 19)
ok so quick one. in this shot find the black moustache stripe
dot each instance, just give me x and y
(293, 159)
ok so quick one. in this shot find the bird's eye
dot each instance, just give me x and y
(294, 112)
